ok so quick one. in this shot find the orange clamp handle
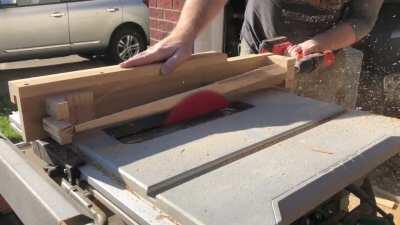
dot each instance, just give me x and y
(279, 49)
(329, 58)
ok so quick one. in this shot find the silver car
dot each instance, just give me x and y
(31, 29)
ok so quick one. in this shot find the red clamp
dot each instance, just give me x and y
(304, 63)
(329, 58)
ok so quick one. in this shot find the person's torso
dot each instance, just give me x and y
(298, 20)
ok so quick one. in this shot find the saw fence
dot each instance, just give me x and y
(65, 104)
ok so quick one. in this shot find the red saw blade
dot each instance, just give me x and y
(196, 105)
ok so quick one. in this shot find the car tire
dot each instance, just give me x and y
(125, 43)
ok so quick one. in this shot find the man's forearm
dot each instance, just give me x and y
(196, 14)
(352, 29)
(338, 37)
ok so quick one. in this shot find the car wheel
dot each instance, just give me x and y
(126, 43)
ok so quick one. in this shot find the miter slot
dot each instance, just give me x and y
(153, 126)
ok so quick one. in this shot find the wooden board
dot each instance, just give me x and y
(116, 89)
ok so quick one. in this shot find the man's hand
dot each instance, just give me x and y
(338, 37)
(173, 50)
(303, 49)
(178, 46)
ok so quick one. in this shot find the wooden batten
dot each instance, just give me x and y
(60, 131)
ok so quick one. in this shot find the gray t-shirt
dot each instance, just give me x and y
(300, 20)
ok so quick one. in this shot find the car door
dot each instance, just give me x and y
(92, 22)
(33, 28)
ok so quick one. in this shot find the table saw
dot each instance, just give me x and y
(271, 158)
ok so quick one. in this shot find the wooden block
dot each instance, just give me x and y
(81, 106)
(386, 203)
(269, 76)
(116, 89)
(57, 107)
(75, 107)
(288, 64)
(60, 131)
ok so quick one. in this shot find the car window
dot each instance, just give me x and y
(36, 2)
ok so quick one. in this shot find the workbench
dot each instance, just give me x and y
(268, 163)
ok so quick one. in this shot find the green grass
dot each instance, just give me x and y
(5, 109)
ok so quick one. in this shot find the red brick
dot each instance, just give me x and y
(158, 34)
(163, 17)
(165, 34)
(162, 25)
(153, 41)
(166, 25)
(178, 4)
(156, 13)
(153, 3)
(164, 4)
(153, 23)
(171, 15)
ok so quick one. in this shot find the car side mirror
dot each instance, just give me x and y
(7, 3)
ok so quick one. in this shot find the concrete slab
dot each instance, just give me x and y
(163, 162)
(283, 182)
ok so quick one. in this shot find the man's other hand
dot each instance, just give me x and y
(172, 51)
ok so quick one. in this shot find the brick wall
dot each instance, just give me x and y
(163, 17)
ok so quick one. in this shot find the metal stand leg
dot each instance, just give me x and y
(368, 206)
